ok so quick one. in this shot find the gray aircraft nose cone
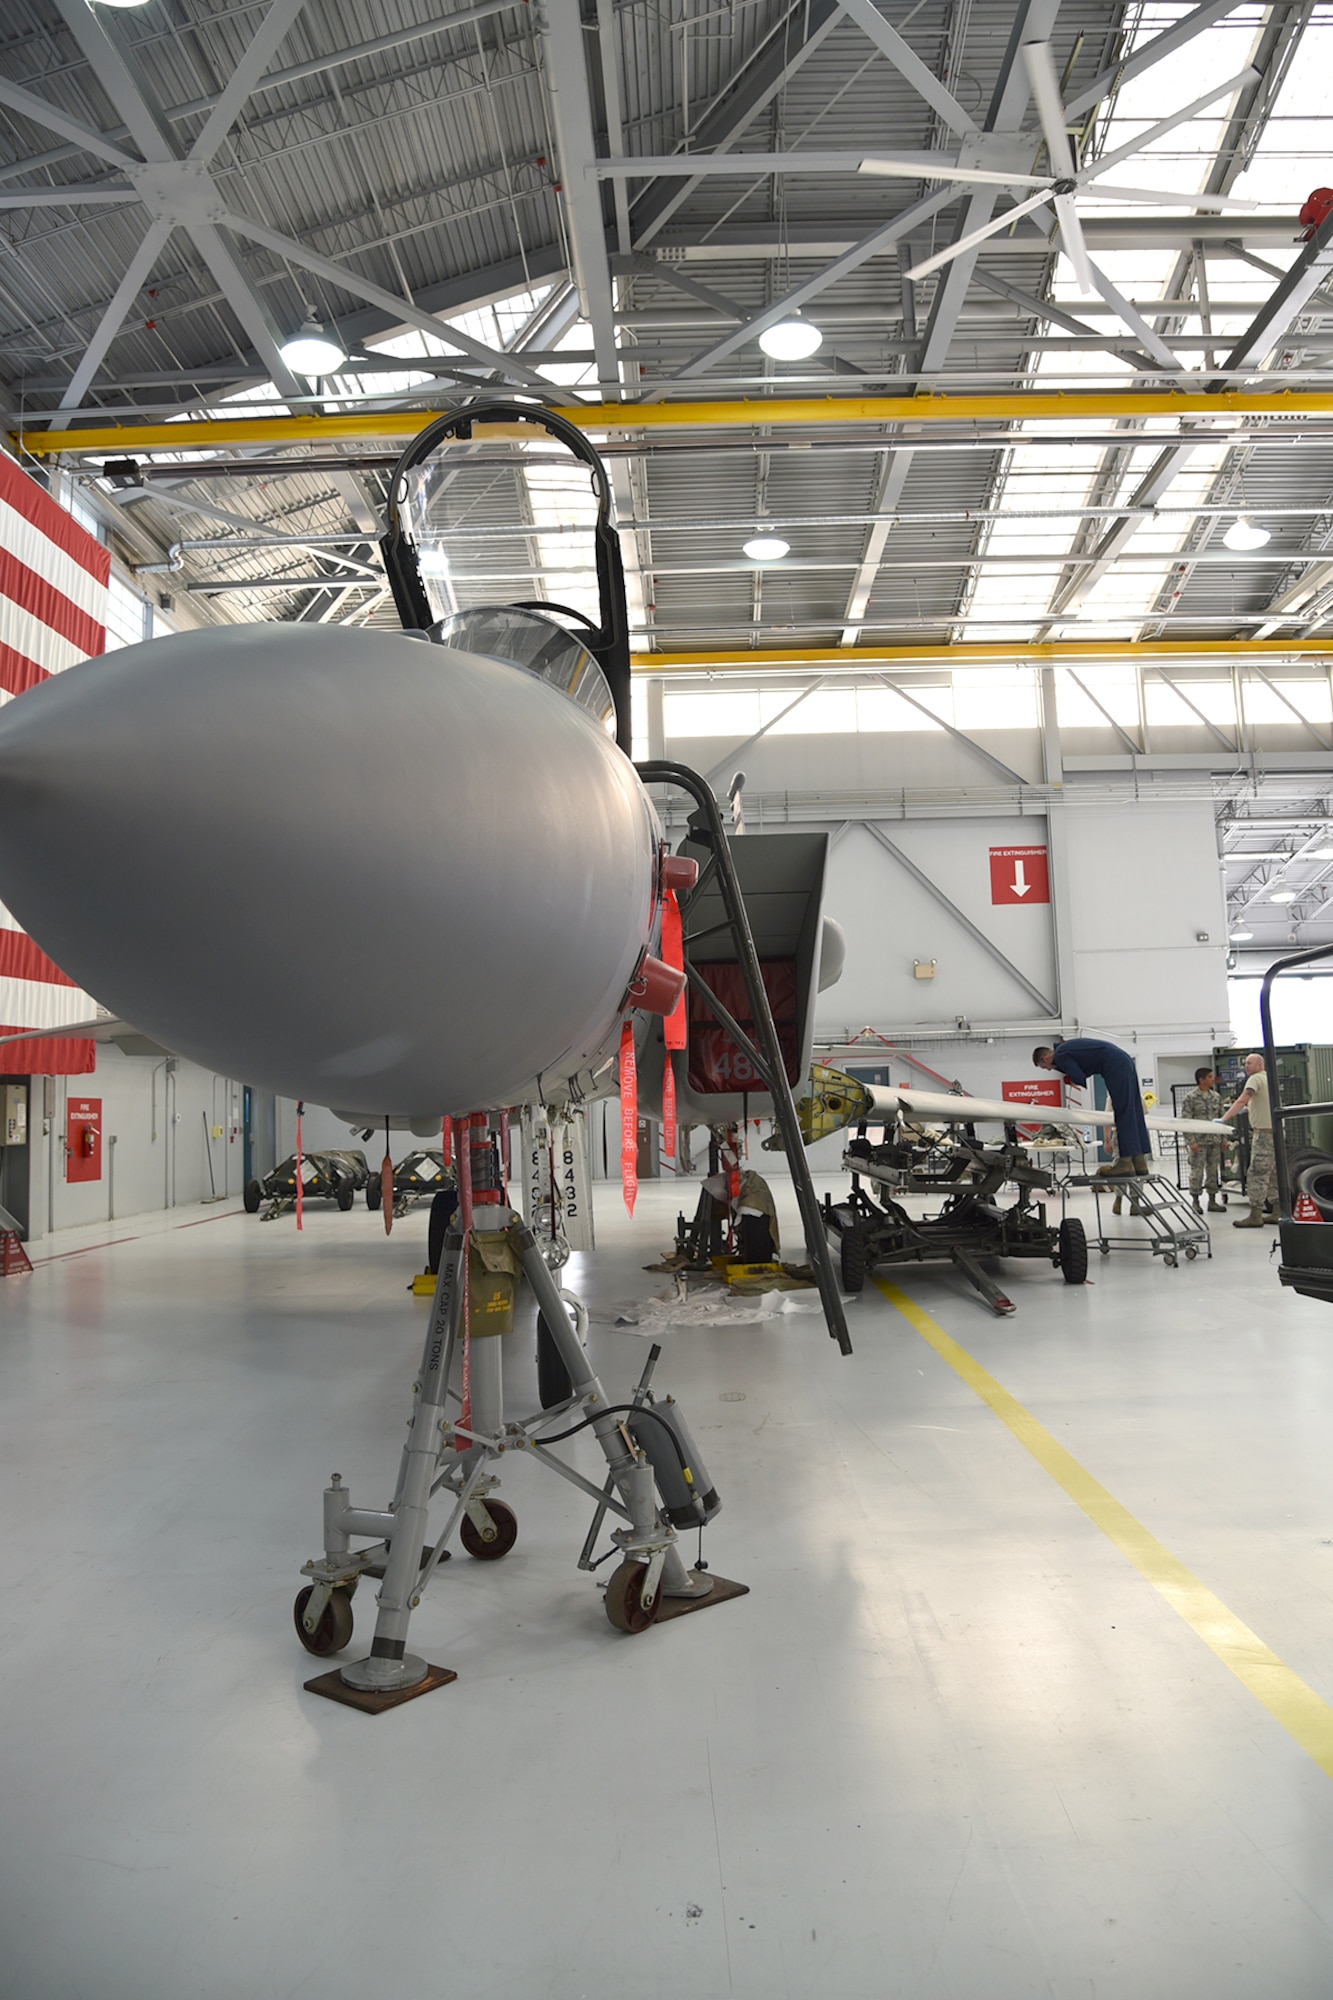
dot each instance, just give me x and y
(347, 866)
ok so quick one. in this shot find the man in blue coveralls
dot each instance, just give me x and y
(1084, 1057)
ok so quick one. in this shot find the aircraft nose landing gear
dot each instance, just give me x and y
(655, 1481)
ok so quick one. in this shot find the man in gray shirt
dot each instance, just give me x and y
(1261, 1185)
(1205, 1101)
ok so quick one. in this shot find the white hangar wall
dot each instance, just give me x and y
(1115, 953)
(163, 1123)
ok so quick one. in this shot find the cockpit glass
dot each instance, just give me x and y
(538, 641)
(503, 517)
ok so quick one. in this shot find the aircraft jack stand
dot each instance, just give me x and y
(443, 1456)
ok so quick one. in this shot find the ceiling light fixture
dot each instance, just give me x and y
(1241, 937)
(1320, 854)
(312, 351)
(122, 3)
(1283, 896)
(767, 548)
(791, 339)
(1243, 534)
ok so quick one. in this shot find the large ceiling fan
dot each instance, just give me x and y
(1067, 181)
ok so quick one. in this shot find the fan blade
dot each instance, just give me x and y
(1163, 197)
(975, 236)
(1045, 84)
(912, 170)
(1071, 236)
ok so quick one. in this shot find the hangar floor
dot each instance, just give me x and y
(952, 1747)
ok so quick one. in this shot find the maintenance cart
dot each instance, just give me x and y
(873, 1229)
(1174, 1228)
(418, 1174)
(323, 1176)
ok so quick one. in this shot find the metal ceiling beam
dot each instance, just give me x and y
(608, 51)
(116, 79)
(275, 80)
(565, 68)
(39, 112)
(888, 492)
(1045, 310)
(402, 311)
(68, 197)
(1178, 36)
(803, 28)
(910, 66)
(1267, 328)
(137, 274)
(817, 412)
(1035, 19)
(726, 242)
(1033, 22)
(870, 246)
(272, 31)
(931, 653)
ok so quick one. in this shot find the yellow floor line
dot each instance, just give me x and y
(1272, 1683)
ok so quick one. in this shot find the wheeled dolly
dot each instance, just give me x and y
(654, 1484)
(1174, 1228)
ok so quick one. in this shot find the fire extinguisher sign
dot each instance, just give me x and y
(1019, 875)
(83, 1139)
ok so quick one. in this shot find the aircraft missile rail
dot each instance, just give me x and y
(767, 1055)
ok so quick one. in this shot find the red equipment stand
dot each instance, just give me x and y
(13, 1256)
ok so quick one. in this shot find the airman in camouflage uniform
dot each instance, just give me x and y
(1205, 1101)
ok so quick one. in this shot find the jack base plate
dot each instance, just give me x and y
(374, 1701)
(722, 1592)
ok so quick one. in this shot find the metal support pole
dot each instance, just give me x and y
(766, 1035)
(389, 1665)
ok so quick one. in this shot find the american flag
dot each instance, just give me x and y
(54, 580)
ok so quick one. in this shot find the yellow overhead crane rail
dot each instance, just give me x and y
(746, 413)
(1044, 652)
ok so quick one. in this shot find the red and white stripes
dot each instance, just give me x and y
(53, 605)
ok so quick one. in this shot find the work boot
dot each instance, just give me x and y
(1196, 1204)
(1142, 1163)
(1254, 1220)
(1116, 1206)
(1215, 1206)
(1119, 1169)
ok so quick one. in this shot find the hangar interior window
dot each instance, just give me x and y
(127, 615)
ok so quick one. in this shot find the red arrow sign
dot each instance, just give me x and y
(1019, 875)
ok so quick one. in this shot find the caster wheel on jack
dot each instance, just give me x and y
(506, 1533)
(334, 1628)
(624, 1599)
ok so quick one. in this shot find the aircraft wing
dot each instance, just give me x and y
(106, 1028)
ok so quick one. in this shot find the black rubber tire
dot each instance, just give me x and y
(252, 1197)
(624, 1601)
(1310, 1172)
(553, 1383)
(1072, 1247)
(506, 1533)
(334, 1628)
(852, 1260)
(345, 1193)
(373, 1192)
